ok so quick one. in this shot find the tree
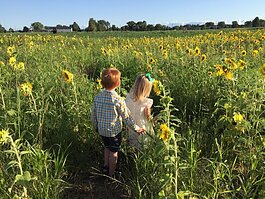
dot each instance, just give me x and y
(131, 25)
(248, 24)
(256, 22)
(235, 24)
(221, 24)
(103, 25)
(37, 26)
(150, 27)
(75, 27)
(209, 25)
(2, 29)
(25, 29)
(262, 23)
(92, 25)
(11, 30)
(141, 25)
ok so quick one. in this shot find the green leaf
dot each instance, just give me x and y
(23, 179)
(11, 112)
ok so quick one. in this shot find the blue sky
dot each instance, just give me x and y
(19, 13)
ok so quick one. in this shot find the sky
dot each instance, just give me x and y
(19, 13)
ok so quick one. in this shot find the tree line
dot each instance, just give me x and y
(103, 25)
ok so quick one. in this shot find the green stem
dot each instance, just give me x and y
(19, 164)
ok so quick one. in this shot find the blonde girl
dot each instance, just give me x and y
(140, 107)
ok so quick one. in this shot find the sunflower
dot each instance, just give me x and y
(20, 66)
(26, 88)
(10, 50)
(229, 75)
(203, 57)
(219, 69)
(244, 53)
(255, 53)
(4, 134)
(156, 87)
(189, 51)
(99, 86)
(262, 70)
(12, 61)
(68, 77)
(197, 51)
(152, 60)
(165, 132)
(238, 118)
(241, 64)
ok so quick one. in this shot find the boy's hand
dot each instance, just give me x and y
(140, 131)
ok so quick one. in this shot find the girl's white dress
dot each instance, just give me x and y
(137, 111)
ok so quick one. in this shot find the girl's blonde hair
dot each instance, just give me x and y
(141, 88)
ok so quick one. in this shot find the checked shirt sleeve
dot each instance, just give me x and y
(125, 114)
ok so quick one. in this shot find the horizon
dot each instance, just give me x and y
(51, 13)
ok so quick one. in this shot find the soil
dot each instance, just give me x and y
(95, 185)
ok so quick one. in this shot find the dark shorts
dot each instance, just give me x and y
(113, 143)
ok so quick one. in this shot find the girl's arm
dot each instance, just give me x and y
(147, 112)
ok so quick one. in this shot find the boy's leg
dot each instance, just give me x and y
(106, 156)
(115, 144)
(106, 160)
(113, 158)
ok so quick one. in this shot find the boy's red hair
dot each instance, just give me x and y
(110, 78)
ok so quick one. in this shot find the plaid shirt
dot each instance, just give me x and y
(108, 112)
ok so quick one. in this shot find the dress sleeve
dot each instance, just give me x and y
(149, 102)
(124, 112)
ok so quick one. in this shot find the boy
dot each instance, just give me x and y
(108, 112)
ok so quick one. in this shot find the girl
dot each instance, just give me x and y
(140, 107)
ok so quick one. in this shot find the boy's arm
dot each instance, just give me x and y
(127, 118)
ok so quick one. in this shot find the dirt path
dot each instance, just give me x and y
(95, 186)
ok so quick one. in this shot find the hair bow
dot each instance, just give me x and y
(148, 76)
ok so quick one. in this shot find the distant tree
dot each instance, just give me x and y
(75, 27)
(11, 30)
(262, 23)
(92, 25)
(113, 27)
(150, 27)
(141, 25)
(209, 24)
(124, 28)
(160, 27)
(256, 22)
(2, 29)
(103, 25)
(25, 29)
(248, 24)
(235, 24)
(221, 24)
(37, 26)
(131, 25)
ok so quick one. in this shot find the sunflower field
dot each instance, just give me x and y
(208, 114)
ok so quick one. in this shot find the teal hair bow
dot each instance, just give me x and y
(148, 76)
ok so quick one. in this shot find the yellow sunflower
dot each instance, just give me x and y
(26, 88)
(156, 87)
(238, 118)
(4, 134)
(68, 77)
(165, 132)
